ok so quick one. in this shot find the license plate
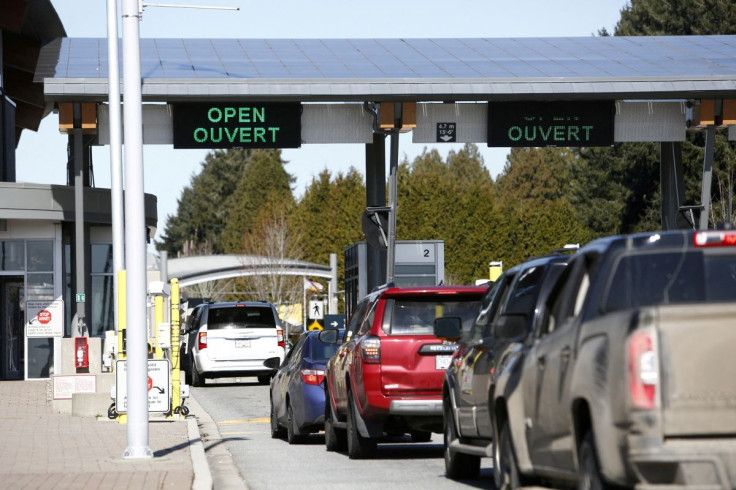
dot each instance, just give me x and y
(242, 343)
(441, 362)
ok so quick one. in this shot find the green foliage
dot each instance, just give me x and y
(201, 210)
(263, 186)
(677, 17)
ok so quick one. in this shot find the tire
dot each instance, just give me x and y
(293, 436)
(590, 477)
(458, 466)
(264, 379)
(335, 439)
(505, 467)
(196, 378)
(276, 430)
(359, 447)
(421, 436)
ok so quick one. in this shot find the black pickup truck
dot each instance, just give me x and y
(630, 378)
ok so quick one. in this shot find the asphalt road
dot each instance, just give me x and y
(240, 407)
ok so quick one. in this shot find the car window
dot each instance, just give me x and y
(194, 319)
(321, 351)
(368, 321)
(415, 316)
(356, 318)
(524, 295)
(240, 317)
(489, 307)
(295, 354)
(567, 301)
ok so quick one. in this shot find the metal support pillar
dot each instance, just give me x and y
(332, 287)
(375, 196)
(672, 186)
(80, 179)
(710, 143)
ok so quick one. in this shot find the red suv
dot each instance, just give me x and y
(386, 377)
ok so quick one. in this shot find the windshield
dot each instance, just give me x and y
(672, 278)
(240, 317)
(416, 316)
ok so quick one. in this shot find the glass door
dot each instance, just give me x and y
(12, 324)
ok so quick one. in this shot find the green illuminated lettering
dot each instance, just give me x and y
(572, 133)
(587, 130)
(559, 133)
(244, 115)
(229, 113)
(245, 135)
(217, 114)
(200, 135)
(212, 135)
(259, 115)
(545, 137)
(259, 134)
(273, 134)
(231, 135)
(514, 133)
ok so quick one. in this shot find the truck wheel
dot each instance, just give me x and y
(359, 447)
(458, 466)
(276, 431)
(505, 467)
(293, 435)
(335, 439)
(590, 471)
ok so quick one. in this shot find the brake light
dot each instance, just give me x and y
(643, 369)
(370, 348)
(313, 376)
(202, 340)
(280, 338)
(715, 238)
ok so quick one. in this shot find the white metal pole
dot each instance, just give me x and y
(116, 164)
(135, 239)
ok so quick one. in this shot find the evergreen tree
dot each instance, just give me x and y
(264, 185)
(201, 211)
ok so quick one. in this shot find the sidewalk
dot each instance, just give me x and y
(41, 449)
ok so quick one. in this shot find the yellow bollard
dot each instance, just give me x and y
(122, 318)
(175, 351)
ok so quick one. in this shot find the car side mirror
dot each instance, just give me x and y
(448, 328)
(330, 336)
(511, 327)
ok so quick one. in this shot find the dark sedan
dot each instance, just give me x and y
(297, 390)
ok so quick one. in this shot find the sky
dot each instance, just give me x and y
(41, 156)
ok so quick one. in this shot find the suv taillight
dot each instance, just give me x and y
(202, 340)
(370, 349)
(643, 368)
(313, 376)
(280, 338)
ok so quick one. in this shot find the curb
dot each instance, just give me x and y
(214, 467)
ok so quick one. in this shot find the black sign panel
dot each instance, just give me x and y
(237, 125)
(558, 123)
(446, 132)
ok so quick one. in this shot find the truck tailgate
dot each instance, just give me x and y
(698, 369)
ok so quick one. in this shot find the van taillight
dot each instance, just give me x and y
(202, 340)
(280, 338)
(643, 369)
(370, 349)
(313, 376)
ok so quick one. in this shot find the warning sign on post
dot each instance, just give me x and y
(45, 318)
(158, 384)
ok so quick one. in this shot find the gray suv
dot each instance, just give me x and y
(232, 339)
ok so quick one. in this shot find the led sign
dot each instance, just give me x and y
(237, 125)
(558, 123)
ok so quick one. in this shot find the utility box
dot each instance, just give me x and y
(417, 263)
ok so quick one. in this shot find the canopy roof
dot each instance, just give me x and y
(645, 67)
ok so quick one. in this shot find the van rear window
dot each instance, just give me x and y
(240, 317)
(416, 316)
(671, 278)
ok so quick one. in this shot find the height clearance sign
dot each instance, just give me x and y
(553, 123)
(237, 125)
